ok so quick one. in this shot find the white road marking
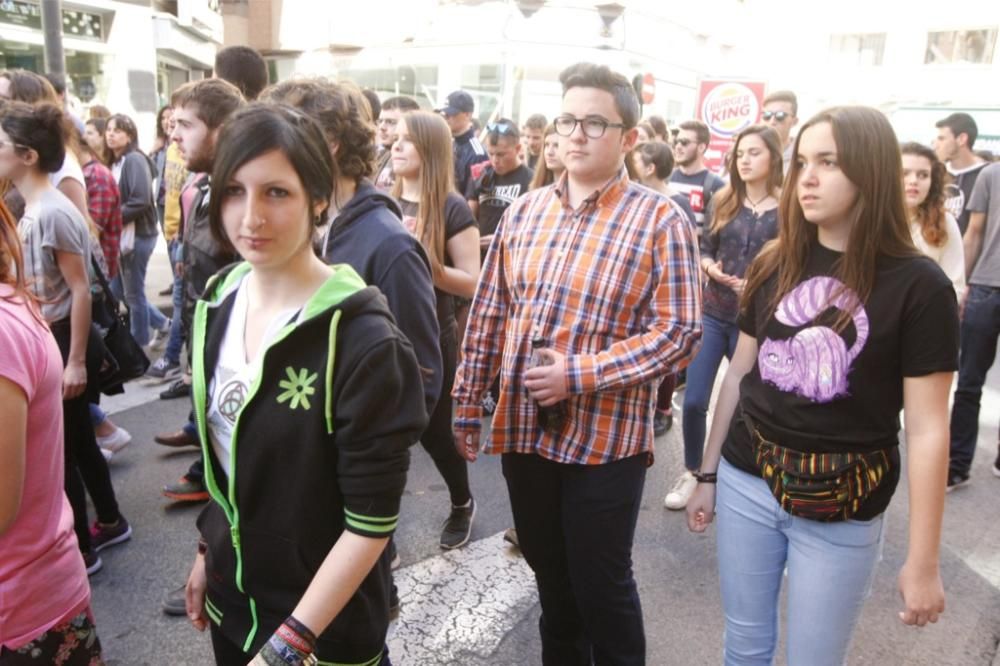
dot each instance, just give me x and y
(460, 604)
(137, 393)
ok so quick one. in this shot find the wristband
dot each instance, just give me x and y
(705, 477)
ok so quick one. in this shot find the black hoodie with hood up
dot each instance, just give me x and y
(368, 235)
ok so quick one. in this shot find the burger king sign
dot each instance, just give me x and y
(727, 107)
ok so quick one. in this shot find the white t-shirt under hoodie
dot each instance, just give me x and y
(234, 375)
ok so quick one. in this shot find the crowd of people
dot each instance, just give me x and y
(353, 275)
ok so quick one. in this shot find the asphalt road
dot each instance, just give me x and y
(478, 606)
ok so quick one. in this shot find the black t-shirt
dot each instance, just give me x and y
(958, 193)
(457, 218)
(815, 390)
(494, 193)
(699, 188)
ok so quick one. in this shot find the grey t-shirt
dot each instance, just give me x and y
(52, 223)
(986, 199)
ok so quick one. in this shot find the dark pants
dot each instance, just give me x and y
(437, 439)
(84, 464)
(980, 329)
(228, 653)
(575, 525)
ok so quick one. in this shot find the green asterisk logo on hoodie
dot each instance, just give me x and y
(298, 388)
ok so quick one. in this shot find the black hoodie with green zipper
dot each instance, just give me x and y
(320, 445)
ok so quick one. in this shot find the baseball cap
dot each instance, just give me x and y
(458, 102)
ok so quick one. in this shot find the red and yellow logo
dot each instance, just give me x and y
(729, 108)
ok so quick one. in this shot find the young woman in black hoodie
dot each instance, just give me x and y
(307, 399)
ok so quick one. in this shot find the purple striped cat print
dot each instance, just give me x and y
(816, 361)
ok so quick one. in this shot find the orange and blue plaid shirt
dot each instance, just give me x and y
(613, 285)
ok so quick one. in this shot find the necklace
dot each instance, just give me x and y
(754, 205)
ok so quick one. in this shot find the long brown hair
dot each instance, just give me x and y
(930, 213)
(868, 154)
(729, 200)
(543, 176)
(11, 259)
(431, 137)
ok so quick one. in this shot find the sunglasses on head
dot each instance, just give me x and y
(500, 128)
(777, 115)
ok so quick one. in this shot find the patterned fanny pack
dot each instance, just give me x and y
(825, 487)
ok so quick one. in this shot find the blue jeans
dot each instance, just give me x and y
(176, 340)
(830, 571)
(97, 415)
(980, 329)
(132, 281)
(718, 339)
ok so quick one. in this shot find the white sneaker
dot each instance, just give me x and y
(107, 455)
(116, 441)
(160, 338)
(679, 495)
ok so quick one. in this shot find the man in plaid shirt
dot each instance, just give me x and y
(605, 271)
(104, 205)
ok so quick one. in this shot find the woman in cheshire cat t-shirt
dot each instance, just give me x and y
(843, 323)
(45, 605)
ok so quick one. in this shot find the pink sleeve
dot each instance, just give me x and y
(19, 354)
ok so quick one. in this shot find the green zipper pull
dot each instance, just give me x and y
(235, 531)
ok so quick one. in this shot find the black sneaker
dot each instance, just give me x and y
(164, 369)
(457, 529)
(662, 422)
(177, 390)
(957, 480)
(103, 536)
(175, 604)
(92, 562)
(393, 603)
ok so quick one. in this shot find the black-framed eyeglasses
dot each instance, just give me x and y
(779, 116)
(500, 128)
(593, 128)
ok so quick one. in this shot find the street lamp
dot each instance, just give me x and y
(609, 13)
(529, 7)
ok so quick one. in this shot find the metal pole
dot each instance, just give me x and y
(55, 59)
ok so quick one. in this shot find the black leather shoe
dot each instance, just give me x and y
(177, 390)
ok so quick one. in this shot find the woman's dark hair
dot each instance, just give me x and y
(127, 125)
(41, 128)
(659, 155)
(258, 129)
(160, 134)
(29, 87)
(659, 126)
(930, 213)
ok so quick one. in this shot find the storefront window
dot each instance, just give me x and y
(85, 72)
